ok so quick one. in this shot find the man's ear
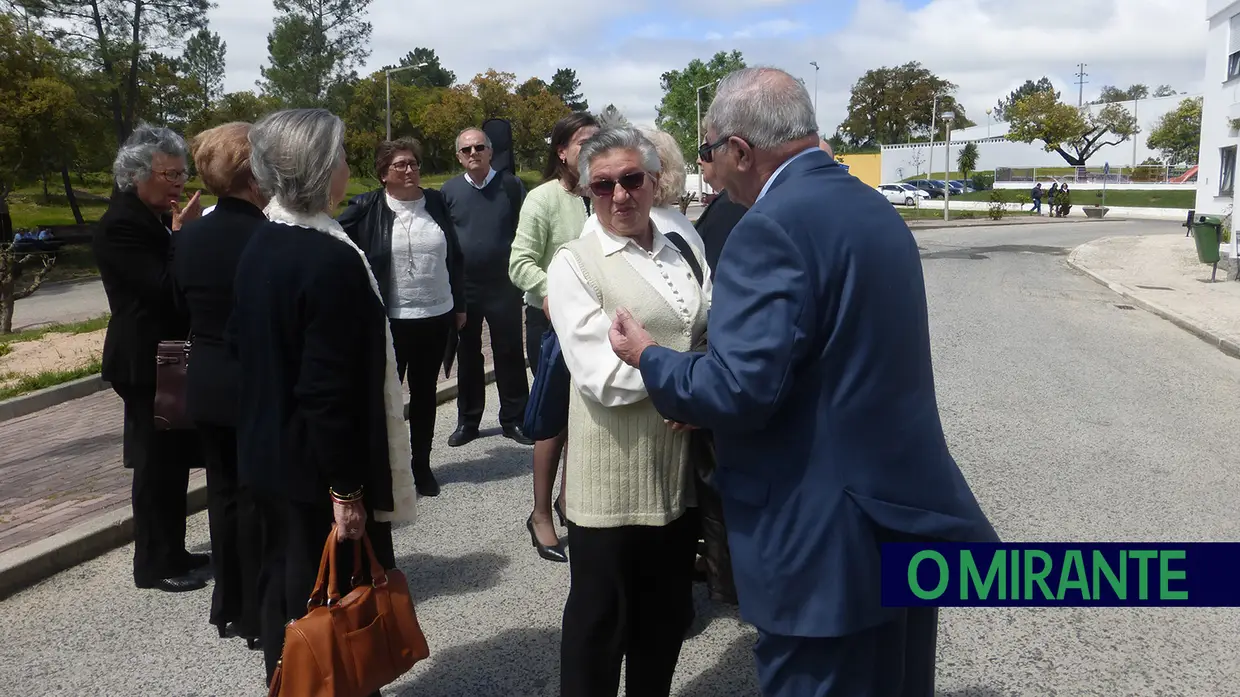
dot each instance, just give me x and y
(743, 154)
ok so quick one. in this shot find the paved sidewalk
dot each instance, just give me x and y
(1161, 274)
(62, 466)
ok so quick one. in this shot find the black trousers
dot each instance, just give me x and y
(161, 461)
(420, 345)
(535, 324)
(896, 659)
(501, 308)
(236, 540)
(293, 536)
(631, 598)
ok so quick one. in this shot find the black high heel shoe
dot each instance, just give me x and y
(559, 513)
(553, 553)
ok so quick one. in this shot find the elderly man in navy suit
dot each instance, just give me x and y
(819, 389)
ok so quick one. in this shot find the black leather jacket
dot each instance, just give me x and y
(368, 222)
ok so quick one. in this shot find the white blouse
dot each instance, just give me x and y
(581, 325)
(420, 286)
(670, 219)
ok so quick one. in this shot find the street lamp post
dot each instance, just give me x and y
(934, 108)
(815, 64)
(988, 113)
(947, 165)
(701, 190)
(388, 76)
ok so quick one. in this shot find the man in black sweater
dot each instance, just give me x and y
(485, 206)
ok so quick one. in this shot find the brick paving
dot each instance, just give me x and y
(62, 466)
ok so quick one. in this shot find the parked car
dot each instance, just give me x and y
(933, 187)
(901, 193)
(964, 184)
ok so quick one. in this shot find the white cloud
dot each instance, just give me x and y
(987, 47)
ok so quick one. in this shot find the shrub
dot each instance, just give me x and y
(983, 180)
(998, 204)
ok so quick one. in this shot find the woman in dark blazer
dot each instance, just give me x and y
(407, 234)
(320, 433)
(205, 255)
(131, 246)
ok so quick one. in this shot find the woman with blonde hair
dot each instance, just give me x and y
(205, 254)
(666, 210)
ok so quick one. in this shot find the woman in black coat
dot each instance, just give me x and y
(205, 256)
(131, 246)
(320, 433)
(412, 247)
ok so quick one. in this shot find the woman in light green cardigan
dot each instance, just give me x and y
(552, 215)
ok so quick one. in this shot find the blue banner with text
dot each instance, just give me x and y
(1068, 574)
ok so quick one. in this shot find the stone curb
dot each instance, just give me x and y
(36, 561)
(1216, 340)
(51, 396)
(932, 224)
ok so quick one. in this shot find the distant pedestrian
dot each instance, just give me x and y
(1036, 195)
(1050, 199)
(485, 206)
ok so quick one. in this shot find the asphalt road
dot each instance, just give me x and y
(1072, 418)
(56, 303)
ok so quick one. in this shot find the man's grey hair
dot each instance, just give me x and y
(474, 129)
(133, 159)
(619, 138)
(765, 107)
(294, 154)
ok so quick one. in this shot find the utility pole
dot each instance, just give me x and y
(1080, 82)
(701, 188)
(815, 64)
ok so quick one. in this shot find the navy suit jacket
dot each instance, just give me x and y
(819, 388)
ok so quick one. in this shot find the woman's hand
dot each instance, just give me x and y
(191, 212)
(460, 320)
(350, 519)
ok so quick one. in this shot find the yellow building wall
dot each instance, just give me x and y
(868, 167)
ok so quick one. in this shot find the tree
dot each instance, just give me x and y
(1074, 133)
(610, 115)
(115, 35)
(531, 87)
(1177, 135)
(495, 93)
(203, 62)
(1030, 87)
(313, 50)
(887, 105)
(677, 112)
(566, 86)
(430, 74)
(1111, 94)
(966, 161)
(452, 111)
(533, 115)
(244, 106)
(1164, 91)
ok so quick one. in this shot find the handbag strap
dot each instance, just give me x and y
(318, 595)
(687, 252)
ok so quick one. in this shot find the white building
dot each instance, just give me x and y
(994, 150)
(1220, 106)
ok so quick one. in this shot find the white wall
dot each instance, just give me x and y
(996, 151)
(1222, 102)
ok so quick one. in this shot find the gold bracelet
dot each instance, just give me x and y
(345, 498)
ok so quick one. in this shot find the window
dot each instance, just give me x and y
(1233, 48)
(1227, 170)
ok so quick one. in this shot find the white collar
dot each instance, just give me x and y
(490, 175)
(767, 186)
(612, 243)
(320, 221)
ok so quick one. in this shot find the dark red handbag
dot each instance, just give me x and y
(171, 367)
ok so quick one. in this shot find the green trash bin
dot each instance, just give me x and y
(1208, 232)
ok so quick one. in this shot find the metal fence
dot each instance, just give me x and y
(1141, 174)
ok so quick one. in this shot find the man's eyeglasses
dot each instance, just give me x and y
(405, 166)
(173, 176)
(706, 152)
(468, 149)
(603, 188)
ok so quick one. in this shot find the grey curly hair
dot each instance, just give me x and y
(133, 159)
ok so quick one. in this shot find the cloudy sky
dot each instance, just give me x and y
(619, 49)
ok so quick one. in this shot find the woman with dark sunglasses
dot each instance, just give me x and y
(552, 215)
(629, 480)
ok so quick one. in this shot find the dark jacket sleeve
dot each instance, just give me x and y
(438, 208)
(353, 216)
(330, 388)
(124, 251)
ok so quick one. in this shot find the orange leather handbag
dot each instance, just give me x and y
(350, 646)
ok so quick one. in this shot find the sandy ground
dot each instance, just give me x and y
(52, 352)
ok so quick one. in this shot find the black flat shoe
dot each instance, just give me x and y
(559, 513)
(462, 435)
(554, 553)
(424, 480)
(514, 433)
(176, 584)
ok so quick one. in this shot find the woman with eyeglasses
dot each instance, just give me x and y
(408, 237)
(131, 245)
(552, 215)
(629, 479)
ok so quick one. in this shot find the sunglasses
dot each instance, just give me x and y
(472, 149)
(706, 150)
(603, 188)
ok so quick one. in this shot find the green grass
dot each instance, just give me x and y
(48, 378)
(929, 212)
(84, 327)
(1125, 198)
